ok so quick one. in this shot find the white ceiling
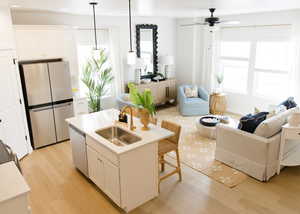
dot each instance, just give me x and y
(170, 8)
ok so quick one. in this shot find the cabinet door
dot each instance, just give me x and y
(12, 117)
(171, 91)
(161, 92)
(112, 181)
(96, 167)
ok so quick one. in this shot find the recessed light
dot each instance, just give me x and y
(15, 6)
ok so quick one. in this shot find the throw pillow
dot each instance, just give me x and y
(289, 103)
(249, 122)
(191, 91)
(271, 113)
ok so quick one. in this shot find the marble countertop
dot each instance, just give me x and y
(90, 123)
(12, 183)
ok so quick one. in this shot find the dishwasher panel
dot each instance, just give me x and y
(79, 152)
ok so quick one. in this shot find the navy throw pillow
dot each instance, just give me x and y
(249, 122)
(289, 103)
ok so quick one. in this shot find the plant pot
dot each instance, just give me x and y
(294, 119)
(145, 118)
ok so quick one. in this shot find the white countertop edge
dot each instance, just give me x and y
(120, 149)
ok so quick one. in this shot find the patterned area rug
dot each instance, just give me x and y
(198, 152)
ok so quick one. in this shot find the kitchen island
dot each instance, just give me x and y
(121, 162)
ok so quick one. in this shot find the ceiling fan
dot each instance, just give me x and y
(212, 20)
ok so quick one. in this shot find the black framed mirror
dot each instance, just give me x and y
(146, 48)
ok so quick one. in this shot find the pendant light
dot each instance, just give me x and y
(131, 57)
(96, 49)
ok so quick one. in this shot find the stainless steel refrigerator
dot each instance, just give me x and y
(48, 99)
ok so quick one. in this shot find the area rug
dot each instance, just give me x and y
(198, 152)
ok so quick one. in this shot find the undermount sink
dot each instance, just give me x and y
(118, 136)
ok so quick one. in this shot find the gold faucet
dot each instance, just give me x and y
(132, 127)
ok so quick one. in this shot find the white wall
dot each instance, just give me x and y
(166, 29)
(195, 45)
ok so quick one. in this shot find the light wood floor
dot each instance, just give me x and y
(58, 188)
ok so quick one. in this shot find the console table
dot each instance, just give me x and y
(162, 91)
(292, 158)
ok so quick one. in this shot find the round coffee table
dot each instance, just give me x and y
(210, 131)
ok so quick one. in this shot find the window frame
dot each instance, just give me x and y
(252, 70)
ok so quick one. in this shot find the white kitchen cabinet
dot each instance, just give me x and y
(104, 174)
(112, 181)
(14, 190)
(12, 122)
(6, 30)
(96, 168)
(127, 182)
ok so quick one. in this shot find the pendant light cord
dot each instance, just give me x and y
(130, 31)
(95, 29)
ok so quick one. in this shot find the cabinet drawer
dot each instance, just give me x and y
(109, 155)
(292, 134)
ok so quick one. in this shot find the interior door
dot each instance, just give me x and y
(60, 81)
(37, 83)
(61, 113)
(43, 128)
(12, 130)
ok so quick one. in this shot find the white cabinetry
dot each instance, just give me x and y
(14, 190)
(6, 31)
(12, 123)
(12, 115)
(129, 179)
(104, 174)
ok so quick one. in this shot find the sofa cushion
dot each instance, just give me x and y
(249, 122)
(191, 91)
(289, 103)
(272, 126)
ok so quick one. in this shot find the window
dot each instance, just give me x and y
(85, 46)
(255, 61)
(272, 68)
(234, 64)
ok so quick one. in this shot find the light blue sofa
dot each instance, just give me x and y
(193, 106)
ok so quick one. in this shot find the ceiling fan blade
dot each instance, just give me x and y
(230, 22)
(194, 24)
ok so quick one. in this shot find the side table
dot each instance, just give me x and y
(218, 103)
(292, 158)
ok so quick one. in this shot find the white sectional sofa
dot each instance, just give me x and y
(254, 154)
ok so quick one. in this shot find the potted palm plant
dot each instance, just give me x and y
(144, 103)
(97, 75)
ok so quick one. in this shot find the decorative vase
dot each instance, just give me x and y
(145, 118)
(294, 119)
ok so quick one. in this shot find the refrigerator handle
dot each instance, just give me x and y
(62, 104)
(41, 109)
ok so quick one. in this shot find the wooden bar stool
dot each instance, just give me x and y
(168, 145)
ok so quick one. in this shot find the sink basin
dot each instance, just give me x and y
(118, 136)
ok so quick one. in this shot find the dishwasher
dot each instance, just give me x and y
(79, 154)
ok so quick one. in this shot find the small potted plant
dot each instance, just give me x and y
(144, 103)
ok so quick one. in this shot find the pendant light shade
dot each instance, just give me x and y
(131, 56)
(94, 3)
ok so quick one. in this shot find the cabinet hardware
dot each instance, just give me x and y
(0, 120)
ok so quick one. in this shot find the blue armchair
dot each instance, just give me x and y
(193, 106)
